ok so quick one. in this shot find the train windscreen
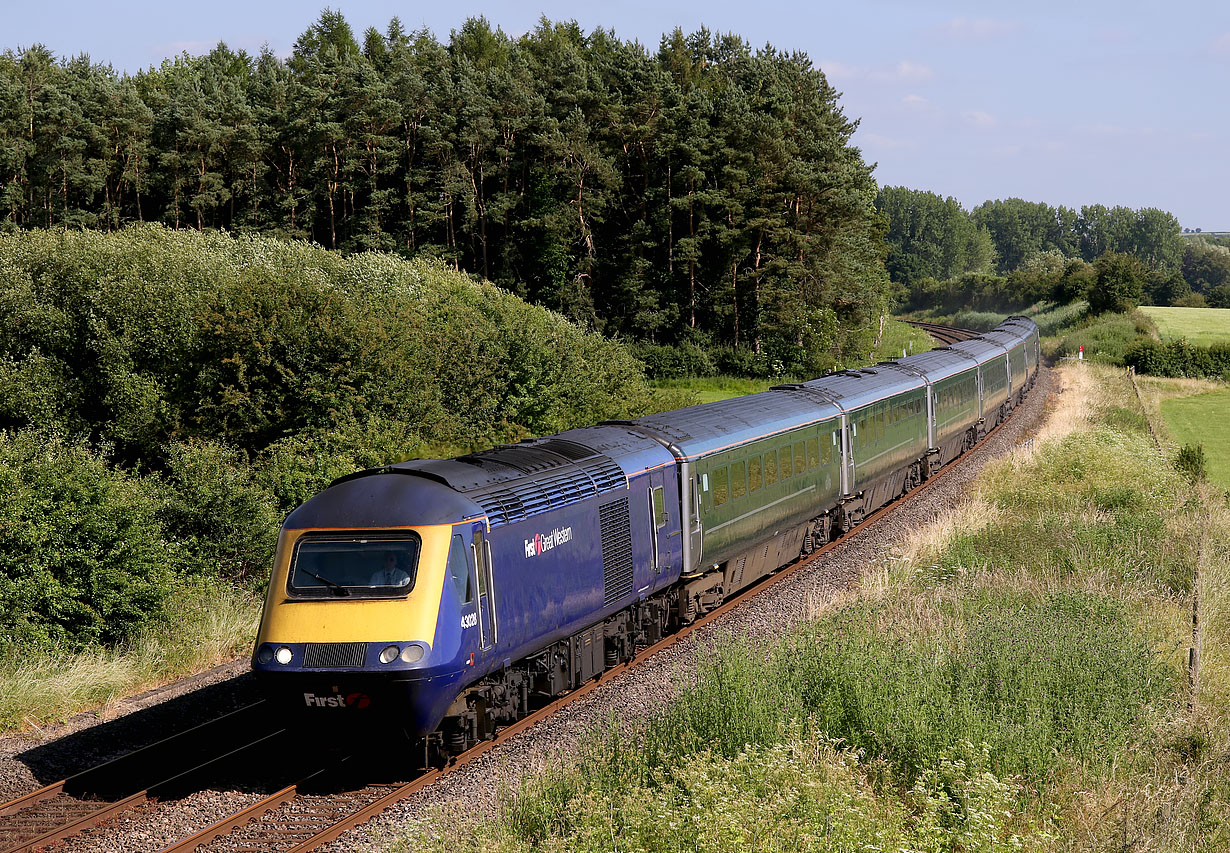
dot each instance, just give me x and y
(368, 566)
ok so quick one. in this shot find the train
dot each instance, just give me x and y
(445, 598)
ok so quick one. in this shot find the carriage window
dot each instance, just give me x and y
(659, 508)
(459, 570)
(813, 453)
(753, 473)
(783, 463)
(738, 480)
(800, 462)
(770, 468)
(720, 491)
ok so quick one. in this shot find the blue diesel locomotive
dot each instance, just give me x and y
(453, 595)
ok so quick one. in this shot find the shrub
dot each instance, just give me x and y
(1190, 461)
(678, 361)
(217, 510)
(1107, 338)
(147, 335)
(1178, 359)
(83, 558)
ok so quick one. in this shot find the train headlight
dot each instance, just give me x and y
(264, 654)
(412, 653)
(283, 655)
(389, 654)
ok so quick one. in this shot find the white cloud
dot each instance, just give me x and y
(904, 71)
(916, 101)
(979, 29)
(1220, 46)
(978, 118)
(835, 70)
(879, 142)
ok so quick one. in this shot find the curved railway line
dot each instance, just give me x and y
(329, 800)
(945, 334)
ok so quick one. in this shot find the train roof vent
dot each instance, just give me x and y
(501, 505)
(514, 500)
(567, 449)
(605, 472)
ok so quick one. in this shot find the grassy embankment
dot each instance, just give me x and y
(1014, 678)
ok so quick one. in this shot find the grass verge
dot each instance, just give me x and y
(208, 625)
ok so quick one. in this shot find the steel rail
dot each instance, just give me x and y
(945, 334)
(22, 818)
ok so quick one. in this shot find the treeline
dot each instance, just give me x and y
(1011, 253)
(166, 397)
(702, 192)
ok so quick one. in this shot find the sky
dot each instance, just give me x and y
(1114, 102)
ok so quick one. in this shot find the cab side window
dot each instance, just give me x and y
(459, 570)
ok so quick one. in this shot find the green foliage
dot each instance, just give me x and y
(663, 361)
(83, 555)
(1179, 358)
(214, 508)
(930, 237)
(1107, 338)
(1190, 461)
(1119, 284)
(1206, 266)
(145, 335)
(786, 796)
(705, 186)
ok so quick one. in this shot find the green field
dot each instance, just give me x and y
(1200, 326)
(1203, 419)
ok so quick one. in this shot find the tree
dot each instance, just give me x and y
(1205, 266)
(1119, 283)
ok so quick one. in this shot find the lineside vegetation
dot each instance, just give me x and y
(1014, 679)
(167, 396)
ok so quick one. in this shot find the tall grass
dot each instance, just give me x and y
(206, 626)
(1106, 338)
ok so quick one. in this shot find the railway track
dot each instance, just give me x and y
(945, 334)
(327, 802)
(164, 769)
